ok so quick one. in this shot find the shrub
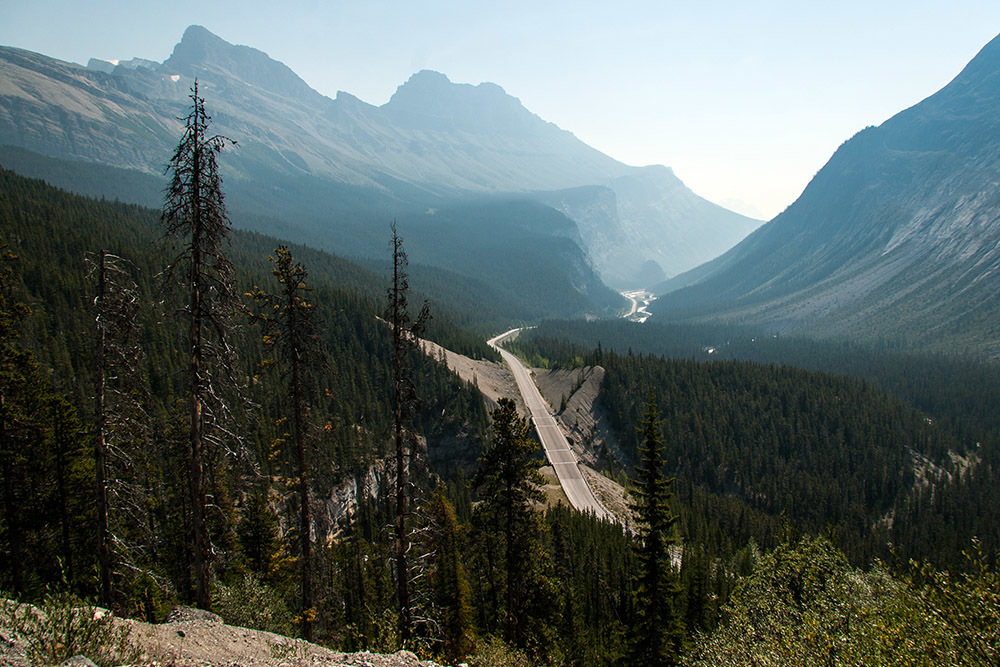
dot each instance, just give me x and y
(64, 626)
(250, 603)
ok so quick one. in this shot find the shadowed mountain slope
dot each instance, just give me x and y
(435, 141)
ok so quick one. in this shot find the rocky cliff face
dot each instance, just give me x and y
(434, 138)
(898, 235)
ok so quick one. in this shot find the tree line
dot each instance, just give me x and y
(881, 446)
(149, 459)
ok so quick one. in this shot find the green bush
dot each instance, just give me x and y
(64, 626)
(493, 652)
(804, 604)
(249, 603)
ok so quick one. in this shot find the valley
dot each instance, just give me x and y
(895, 238)
(700, 437)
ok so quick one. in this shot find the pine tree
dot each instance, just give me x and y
(657, 635)
(508, 482)
(68, 449)
(288, 320)
(451, 593)
(195, 210)
(405, 335)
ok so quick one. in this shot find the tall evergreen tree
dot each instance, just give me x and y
(289, 322)
(451, 593)
(405, 335)
(508, 482)
(657, 635)
(195, 211)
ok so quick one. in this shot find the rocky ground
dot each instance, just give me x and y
(554, 494)
(194, 638)
(493, 379)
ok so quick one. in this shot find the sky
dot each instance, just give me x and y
(746, 101)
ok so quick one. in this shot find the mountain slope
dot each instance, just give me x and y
(433, 141)
(897, 236)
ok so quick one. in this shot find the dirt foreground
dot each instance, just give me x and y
(195, 638)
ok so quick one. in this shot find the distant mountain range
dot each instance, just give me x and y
(897, 237)
(334, 168)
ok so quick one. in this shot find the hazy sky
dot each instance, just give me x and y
(745, 100)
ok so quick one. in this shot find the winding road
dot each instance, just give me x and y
(557, 448)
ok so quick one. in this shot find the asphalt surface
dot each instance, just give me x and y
(557, 449)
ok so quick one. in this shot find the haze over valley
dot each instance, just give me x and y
(435, 381)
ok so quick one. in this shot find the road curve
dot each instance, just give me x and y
(557, 448)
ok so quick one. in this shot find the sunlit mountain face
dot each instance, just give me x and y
(897, 237)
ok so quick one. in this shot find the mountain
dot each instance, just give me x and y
(898, 236)
(433, 142)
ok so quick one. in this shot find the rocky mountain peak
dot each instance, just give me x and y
(198, 46)
(431, 101)
(205, 55)
(984, 69)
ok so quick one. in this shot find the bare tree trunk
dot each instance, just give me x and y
(509, 565)
(402, 539)
(405, 333)
(100, 446)
(59, 435)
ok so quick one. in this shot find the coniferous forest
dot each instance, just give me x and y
(191, 414)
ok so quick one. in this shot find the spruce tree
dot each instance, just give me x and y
(288, 320)
(451, 592)
(508, 482)
(194, 210)
(657, 635)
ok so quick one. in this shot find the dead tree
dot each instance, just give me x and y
(405, 337)
(118, 413)
(194, 211)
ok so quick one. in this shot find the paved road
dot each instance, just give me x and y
(557, 448)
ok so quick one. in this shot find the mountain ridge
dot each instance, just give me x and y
(433, 139)
(897, 236)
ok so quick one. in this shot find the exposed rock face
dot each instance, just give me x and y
(898, 235)
(433, 139)
(578, 390)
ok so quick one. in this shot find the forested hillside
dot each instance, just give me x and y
(50, 234)
(569, 598)
(463, 277)
(755, 444)
(759, 453)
